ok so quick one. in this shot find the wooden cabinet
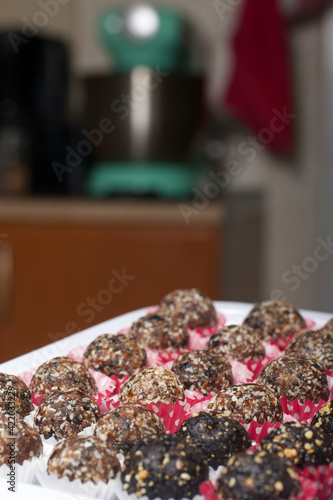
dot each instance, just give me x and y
(65, 266)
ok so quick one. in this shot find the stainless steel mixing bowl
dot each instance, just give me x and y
(155, 116)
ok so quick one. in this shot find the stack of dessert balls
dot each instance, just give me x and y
(154, 462)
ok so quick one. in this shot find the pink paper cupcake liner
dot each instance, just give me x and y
(320, 479)
(257, 432)
(242, 374)
(310, 324)
(301, 412)
(172, 414)
(256, 366)
(77, 353)
(207, 491)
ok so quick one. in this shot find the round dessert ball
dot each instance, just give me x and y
(115, 355)
(323, 419)
(296, 377)
(203, 371)
(254, 475)
(237, 342)
(157, 332)
(65, 414)
(18, 441)
(303, 445)
(218, 437)
(62, 374)
(165, 467)
(15, 396)
(315, 343)
(156, 384)
(329, 325)
(248, 402)
(190, 307)
(273, 319)
(83, 458)
(125, 426)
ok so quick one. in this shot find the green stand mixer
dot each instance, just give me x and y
(153, 101)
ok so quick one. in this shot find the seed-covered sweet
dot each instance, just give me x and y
(329, 325)
(203, 371)
(190, 307)
(65, 414)
(296, 377)
(323, 419)
(157, 332)
(156, 384)
(237, 342)
(115, 355)
(248, 402)
(303, 445)
(272, 319)
(18, 441)
(127, 425)
(218, 437)
(165, 467)
(15, 396)
(83, 458)
(257, 475)
(315, 343)
(62, 374)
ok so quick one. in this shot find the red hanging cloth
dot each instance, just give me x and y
(260, 88)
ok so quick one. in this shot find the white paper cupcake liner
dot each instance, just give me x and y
(101, 490)
(214, 474)
(29, 419)
(25, 473)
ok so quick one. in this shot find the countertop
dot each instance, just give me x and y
(85, 211)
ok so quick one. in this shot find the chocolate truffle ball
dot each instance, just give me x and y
(189, 307)
(65, 414)
(315, 343)
(257, 475)
(156, 384)
(165, 467)
(323, 419)
(248, 402)
(125, 426)
(303, 445)
(15, 396)
(273, 319)
(203, 371)
(83, 458)
(18, 441)
(156, 332)
(115, 355)
(62, 374)
(296, 377)
(237, 342)
(218, 437)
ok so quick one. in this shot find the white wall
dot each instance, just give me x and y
(13, 12)
(324, 212)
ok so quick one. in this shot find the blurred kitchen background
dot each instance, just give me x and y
(151, 146)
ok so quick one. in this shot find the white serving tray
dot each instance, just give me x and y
(234, 312)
